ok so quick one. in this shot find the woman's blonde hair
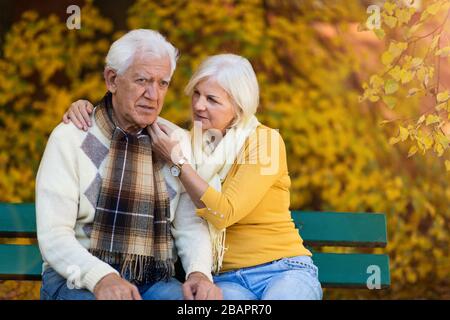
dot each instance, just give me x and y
(236, 76)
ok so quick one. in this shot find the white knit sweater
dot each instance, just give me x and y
(67, 185)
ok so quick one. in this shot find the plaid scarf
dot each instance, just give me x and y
(132, 218)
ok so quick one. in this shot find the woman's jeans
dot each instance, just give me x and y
(54, 287)
(294, 278)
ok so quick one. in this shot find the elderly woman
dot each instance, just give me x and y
(237, 177)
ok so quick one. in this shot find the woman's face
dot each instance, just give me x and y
(212, 106)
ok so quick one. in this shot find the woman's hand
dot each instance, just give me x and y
(78, 113)
(162, 144)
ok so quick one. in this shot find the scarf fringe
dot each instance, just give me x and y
(218, 247)
(138, 269)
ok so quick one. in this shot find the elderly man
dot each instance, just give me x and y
(109, 214)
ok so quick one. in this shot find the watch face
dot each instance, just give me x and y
(175, 171)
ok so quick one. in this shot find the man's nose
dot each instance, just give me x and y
(151, 91)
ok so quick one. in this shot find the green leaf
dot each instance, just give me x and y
(390, 86)
(390, 101)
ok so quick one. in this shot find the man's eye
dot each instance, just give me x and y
(164, 84)
(140, 80)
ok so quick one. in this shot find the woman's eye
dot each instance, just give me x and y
(211, 100)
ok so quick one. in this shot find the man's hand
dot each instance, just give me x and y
(113, 287)
(199, 287)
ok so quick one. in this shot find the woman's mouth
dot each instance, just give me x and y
(197, 116)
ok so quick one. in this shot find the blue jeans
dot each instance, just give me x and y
(54, 287)
(294, 278)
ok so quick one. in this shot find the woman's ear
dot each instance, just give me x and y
(110, 79)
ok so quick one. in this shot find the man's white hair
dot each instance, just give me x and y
(140, 41)
(236, 76)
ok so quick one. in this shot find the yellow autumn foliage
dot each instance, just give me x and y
(339, 157)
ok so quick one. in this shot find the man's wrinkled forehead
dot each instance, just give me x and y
(150, 65)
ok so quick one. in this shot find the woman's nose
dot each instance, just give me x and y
(200, 104)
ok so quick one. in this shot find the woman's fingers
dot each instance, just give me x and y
(73, 117)
(90, 107)
(84, 113)
(65, 118)
(79, 114)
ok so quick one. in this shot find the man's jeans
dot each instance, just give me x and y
(294, 278)
(54, 287)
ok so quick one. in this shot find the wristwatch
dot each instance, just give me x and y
(175, 169)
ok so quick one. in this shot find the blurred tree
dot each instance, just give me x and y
(411, 68)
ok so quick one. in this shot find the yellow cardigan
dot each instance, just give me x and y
(254, 205)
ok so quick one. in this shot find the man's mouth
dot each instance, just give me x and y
(146, 108)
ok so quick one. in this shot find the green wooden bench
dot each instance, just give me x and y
(318, 229)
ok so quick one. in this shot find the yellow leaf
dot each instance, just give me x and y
(447, 165)
(443, 52)
(421, 119)
(404, 133)
(390, 21)
(387, 58)
(390, 86)
(443, 96)
(390, 101)
(431, 119)
(389, 7)
(412, 151)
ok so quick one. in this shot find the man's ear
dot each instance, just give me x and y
(110, 79)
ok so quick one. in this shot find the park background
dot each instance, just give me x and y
(311, 61)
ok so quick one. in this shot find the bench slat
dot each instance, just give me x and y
(351, 269)
(20, 262)
(23, 262)
(17, 220)
(341, 229)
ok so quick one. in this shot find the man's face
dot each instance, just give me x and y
(140, 92)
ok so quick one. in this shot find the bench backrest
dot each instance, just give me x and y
(318, 229)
